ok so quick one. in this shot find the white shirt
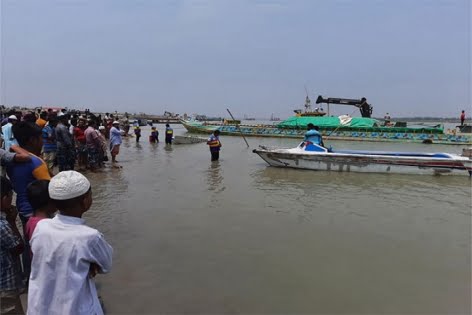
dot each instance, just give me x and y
(63, 249)
(8, 138)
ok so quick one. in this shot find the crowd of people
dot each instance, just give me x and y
(69, 141)
(56, 264)
(56, 256)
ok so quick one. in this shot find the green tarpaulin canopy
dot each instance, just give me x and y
(327, 122)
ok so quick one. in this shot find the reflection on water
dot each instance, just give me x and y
(236, 236)
(215, 177)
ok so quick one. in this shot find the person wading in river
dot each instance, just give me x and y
(169, 134)
(65, 145)
(137, 133)
(462, 117)
(115, 141)
(215, 145)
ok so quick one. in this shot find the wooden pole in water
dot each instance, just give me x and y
(238, 128)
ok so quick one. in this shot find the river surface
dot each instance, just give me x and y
(237, 236)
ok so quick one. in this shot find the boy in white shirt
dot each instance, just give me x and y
(67, 253)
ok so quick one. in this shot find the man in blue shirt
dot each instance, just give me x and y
(169, 134)
(313, 135)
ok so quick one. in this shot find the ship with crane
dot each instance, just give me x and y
(344, 127)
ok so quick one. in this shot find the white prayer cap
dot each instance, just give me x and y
(68, 185)
(101, 128)
(116, 122)
(13, 117)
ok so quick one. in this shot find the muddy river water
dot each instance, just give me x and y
(237, 236)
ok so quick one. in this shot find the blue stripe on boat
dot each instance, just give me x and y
(412, 154)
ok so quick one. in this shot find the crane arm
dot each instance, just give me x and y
(364, 107)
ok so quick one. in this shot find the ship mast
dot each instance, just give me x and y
(307, 102)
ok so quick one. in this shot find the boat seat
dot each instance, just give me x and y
(314, 148)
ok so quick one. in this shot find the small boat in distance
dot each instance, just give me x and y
(273, 118)
(315, 157)
(308, 111)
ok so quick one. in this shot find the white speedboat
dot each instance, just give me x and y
(314, 157)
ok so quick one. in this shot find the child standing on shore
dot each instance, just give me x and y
(67, 253)
(11, 248)
(43, 208)
(29, 137)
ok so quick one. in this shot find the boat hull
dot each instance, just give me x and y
(366, 164)
(344, 135)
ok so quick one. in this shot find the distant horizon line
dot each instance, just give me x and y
(246, 117)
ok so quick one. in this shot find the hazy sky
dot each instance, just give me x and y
(407, 58)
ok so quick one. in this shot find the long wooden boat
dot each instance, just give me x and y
(345, 133)
(314, 157)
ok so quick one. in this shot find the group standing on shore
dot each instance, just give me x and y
(63, 255)
(68, 141)
(56, 256)
(55, 259)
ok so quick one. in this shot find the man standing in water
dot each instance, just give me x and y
(92, 139)
(137, 133)
(65, 145)
(215, 145)
(462, 117)
(169, 134)
(115, 141)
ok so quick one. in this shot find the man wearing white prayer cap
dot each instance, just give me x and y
(67, 254)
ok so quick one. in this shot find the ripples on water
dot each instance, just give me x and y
(236, 236)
